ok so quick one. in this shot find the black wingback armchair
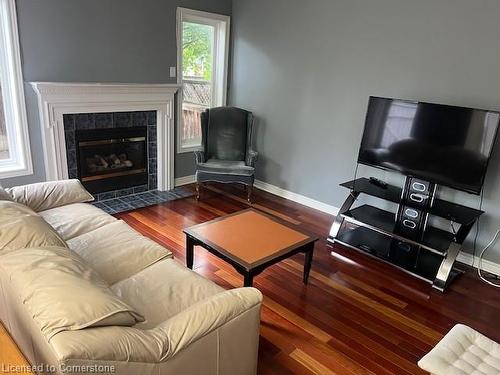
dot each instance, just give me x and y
(226, 154)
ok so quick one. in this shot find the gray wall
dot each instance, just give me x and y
(306, 68)
(132, 41)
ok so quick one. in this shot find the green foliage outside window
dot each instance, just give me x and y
(197, 42)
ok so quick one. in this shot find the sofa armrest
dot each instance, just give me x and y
(199, 155)
(252, 157)
(204, 317)
(46, 195)
(158, 345)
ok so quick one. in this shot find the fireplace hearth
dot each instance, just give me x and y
(115, 157)
(111, 159)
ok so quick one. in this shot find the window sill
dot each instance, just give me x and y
(188, 148)
(15, 171)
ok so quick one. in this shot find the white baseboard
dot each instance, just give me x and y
(487, 265)
(186, 180)
(302, 199)
(273, 189)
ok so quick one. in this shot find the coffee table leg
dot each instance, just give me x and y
(308, 262)
(189, 252)
(248, 279)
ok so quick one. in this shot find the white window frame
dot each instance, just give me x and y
(222, 25)
(19, 162)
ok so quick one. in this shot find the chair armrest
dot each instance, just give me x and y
(200, 156)
(252, 157)
(204, 317)
(46, 195)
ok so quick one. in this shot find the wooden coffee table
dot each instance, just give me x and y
(250, 241)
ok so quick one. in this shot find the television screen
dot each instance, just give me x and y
(444, 144)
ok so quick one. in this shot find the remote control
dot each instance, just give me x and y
(379, 183)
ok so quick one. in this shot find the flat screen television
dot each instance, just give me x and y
(443, 144)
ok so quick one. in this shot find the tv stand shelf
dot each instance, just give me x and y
(434, 240)
(372, 230)
(448, 210)
(421, 264)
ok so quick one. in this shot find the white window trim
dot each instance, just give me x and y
(222, 26)
(19, 163)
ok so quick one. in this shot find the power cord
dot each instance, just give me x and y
(485, 249)
(478, 226)
(480, 265)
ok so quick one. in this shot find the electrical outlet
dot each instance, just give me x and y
(173, 72)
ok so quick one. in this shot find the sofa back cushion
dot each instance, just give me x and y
(116, 251)
(45, 195)
(62, 293)
(21, 227)
(4, 196)
(75, 219)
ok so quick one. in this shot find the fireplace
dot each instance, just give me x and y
(112, 159)
(65, 108)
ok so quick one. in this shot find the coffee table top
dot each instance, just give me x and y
(250, 237)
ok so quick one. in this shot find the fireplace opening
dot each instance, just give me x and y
(111, 159)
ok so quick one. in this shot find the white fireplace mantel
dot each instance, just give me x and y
(56, 99)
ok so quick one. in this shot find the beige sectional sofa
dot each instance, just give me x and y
(81, 291)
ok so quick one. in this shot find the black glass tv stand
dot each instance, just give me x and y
(430, 255)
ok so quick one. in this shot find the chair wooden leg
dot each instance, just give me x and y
(198, 189)
(249, 193)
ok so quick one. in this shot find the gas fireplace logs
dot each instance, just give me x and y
(100, 163)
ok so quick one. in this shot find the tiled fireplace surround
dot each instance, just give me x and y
(128, 198)
(90, 121)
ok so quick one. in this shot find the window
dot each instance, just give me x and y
(202, 50)
(15, 158)
(4, 144)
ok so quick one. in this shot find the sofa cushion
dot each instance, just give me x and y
(163, 290)
(45, 195)
(226, 167)
(76, 219)
(21, 227)
(4, 196)
(62, 292)
(116, 251)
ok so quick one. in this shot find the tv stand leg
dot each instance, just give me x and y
(443, 275)
(444, 271)
(337, 223)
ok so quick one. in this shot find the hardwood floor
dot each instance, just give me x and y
(11, 359)
(356, 315)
